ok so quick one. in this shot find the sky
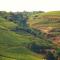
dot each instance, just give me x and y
(29, 5)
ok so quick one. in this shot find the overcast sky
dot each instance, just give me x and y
(29, 5)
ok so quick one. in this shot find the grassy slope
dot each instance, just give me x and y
(12, 45)
(5, 24)
(52, 13)
(46, 22)
(38, 21)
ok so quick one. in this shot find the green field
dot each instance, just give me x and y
(21, 35)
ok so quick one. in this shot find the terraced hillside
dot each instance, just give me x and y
(48, 23)
(14, 46)
(28, 36)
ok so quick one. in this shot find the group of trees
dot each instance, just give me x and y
(18, 17)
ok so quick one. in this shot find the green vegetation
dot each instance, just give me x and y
(11, 44)
(22, 36)
(5, 24)
(49, 23)
(52, 13)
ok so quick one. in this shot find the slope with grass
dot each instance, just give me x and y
(49, 19)
(5, 24)
(13, 46)
(17, 43)
(48, 22)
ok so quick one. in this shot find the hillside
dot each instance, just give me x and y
(28, 35)
(13, 46)
(48, 22)
(5, 24)
(47, 19)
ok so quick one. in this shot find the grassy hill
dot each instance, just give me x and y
(48, 22)
(13, 46)
(5, 24)
(45, 21)
(23, 43)
(18, 54)
(57, 13)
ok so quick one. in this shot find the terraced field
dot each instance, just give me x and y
(46, 22)
(40, 35)
(13, 45)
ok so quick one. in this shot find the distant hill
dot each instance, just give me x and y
(48, 22)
